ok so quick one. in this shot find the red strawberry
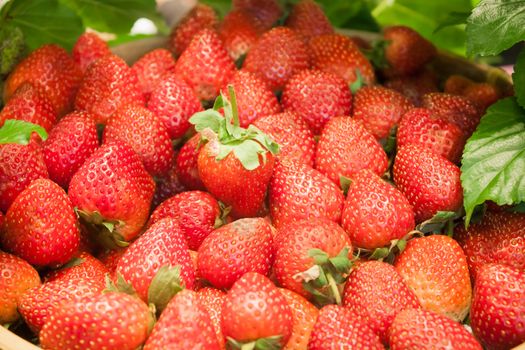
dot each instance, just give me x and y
(309, 20)
(345, 147)
(167, 186)
(317, 97)
(212, 300)
(338, 54)
(82, 267)
(304, 315)
(497, 309)
(498, 238)
(70, 143)
(108, 85)
(151, 68)
(186, 164)
(442, 283)
(254, 309)
(30, 103)
(376, 293)
(234, 249)
(277, 56)
(414, 87)
(266, 11)
(41, 226)
(380, 109)
(429, 181)
(51, 68)
(113, 191)
(481, 94)
(338, 328)
(88, 48)
(121, 321)
(110, 258)
(239, 31)
(205, 65)
(456, 84)
(184, 324)
(17, 277)
(298, 191)
(291, 132)
(426, 330)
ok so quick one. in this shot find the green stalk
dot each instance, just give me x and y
(233, 102)
(334, 288)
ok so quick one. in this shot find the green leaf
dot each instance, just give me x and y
(349, 14)
(222, 7)
(19, 132)
(494, 158)
(12, 48)
(495, 25)
(453, 19)
(518, 78)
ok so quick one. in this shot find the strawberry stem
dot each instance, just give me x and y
(233, 102)
(334, 288)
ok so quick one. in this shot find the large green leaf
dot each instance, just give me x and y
(349, 14)
(518, 77)
(494, 158)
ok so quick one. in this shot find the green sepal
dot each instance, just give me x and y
(105, 232)
(376, 55)
(164, 286)
(389, 143)
(380, 253)
(269, 343)
(222, 218)
(436, 224)
(122, 286)
(72, 263)
(358, 82)
(345, 183)
(19, 132)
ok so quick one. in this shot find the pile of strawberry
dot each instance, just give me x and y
(301, 211)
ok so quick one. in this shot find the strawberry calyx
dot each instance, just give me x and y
(358, 82)
(441, 221)
(20, 132)
(222, 218)
(376, 55)
(268, 343)
(103, 231)
(248, 145)
(164, 286)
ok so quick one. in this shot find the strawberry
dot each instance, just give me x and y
(88, 48)
(212, 300)
(338, 328)
(83, 266)
(414, 87)
(108, 85)
(304, 315)
(338, 54)
(308, 19)
(442, 284)
(200, 17)
(498, 238)
(121, 321)
(110, 258)
(277, 56)
(297, 191)
(291, 132)
(184, 324)
(481, 94)
(17, 277)
(375, 212)
(167, 186)
(456, 84)
(317, 96)
(174, 102)
(113, 193)
(427, 330)
(30, 103)
(145, 133)
(239, 31)
(234, 249)
(69, 144)
(345, 147)
(40, 225)
(497, 309)
(376, 293)
(205, 64)
(51, 68)
(254, 311)
(428, 180)
(267, 12)
(151, 68)
(380, 109)
(186, 164)
(197, 213)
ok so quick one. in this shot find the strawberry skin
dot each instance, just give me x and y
(151, 68)
(212, 300)
(267, 12)
(414, 87)
(187, 164)
(88, 48)
(304, 315)
(239, 31)
(168, 185)
(88, 267)
(308, 19)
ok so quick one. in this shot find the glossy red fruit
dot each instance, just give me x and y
(83, 266)
(414, 87)
(239, 31)
(88, 48)
(304, 315)
(186, 164)
(212, 300)
(309, 20)
(110, 258)
(267, 12)
(151, 68)
(481, 94)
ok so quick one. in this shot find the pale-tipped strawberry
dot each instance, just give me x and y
(317, 97)
(186, 164)
(308, 19)
(304, 315)
(212, 299)
(428, 180)
(414, 87)
(88, 48)
(151, 68)
(239, 31)
(267, 12)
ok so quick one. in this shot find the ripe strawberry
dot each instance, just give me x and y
(168, 185)
(456, 84)
(40, 225)
(239, 31)
(30, 103)
(414, 87)
(442, 284)
(338, 328)
(376, 293)
(184, 324)
(234, 249)
(309, 20)
(212, 300)
(17, 277)
(83, 266)
(277, 56)
(205, 65)
(317, 96)
(267, 12)
(88, 48)
(429, 181)
(297, 266)
(407, 51)
(426, 330)
(113, 192)
(380, 109)
(110, 258)
(298, 191)
(186, 164)
(304, 315)
(338, 54)
(291, 132)
(108, 85)
(498, 238)
(69, 144)
(151, 68)
(51, 68)
(497, 309)
(254, 309)
(481, 94)
(345, 147)
(200, 17)
(121, 321)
